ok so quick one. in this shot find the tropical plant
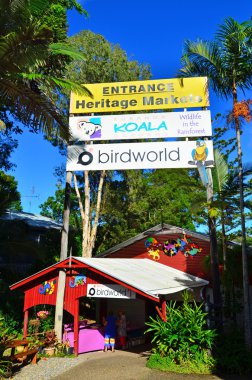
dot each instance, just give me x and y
(5, 337)
(50, 339)
(184, 333)
(227, 62)
(28, 90)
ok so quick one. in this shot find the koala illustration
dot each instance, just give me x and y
(86, 129)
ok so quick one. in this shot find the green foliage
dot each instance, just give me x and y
(138, 200)
(7, 143)
(226, 61)
(104, 61)
(9, 195)
(202, 364)
(32, 34)
(6, 334)
(8, 326)
(232, 355)
(184, 334)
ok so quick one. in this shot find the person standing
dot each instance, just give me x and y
(110, 332)
(121, 328)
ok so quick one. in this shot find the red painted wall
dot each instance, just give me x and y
(34, 297)
(194, 265)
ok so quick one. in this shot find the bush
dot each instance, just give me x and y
(232, 355)
(201, 364)
(184, 336)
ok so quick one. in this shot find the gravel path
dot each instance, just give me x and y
(46, 369)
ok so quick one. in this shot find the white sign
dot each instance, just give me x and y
(141, 126)
(109, 291)
(150, 155)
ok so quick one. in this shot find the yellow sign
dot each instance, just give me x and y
(142, 95)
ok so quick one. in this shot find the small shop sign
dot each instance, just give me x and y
(109, 291)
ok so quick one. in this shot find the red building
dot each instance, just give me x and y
(136, 275)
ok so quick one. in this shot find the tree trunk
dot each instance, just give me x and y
(97, 213)
(89, 225)
(224, 238)
(63, 255)
(215, 273)
(246, 297)
(86, 221)
(214, 257)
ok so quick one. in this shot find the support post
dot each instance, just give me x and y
(26, 315)
(164, 309)
(76, 327)
(63, 255)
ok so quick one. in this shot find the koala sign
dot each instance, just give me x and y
(141, 126)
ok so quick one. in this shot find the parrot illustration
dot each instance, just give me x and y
(199, 155)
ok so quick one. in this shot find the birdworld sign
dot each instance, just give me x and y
(140, 126)
(150, 155)
(109, 291)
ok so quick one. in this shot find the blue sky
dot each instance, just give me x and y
(150, 32)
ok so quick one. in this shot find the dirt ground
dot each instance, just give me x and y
(99, 365)
(130, 365)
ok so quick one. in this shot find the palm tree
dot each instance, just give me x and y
(28, 91)
(227, 62)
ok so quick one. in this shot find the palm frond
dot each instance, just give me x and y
(219, 172)
(33, 108)
(203, 58)
(56, 83)
(225, 61)
(64, 49)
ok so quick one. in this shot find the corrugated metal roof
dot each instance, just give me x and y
(145, 275)
(33, 220)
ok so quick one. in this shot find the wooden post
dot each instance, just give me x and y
(59, 307)
(76, 327)
(164, 309)
(66, 215)
(26, 315)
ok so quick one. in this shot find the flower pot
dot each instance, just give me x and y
(34, 322)
(49, 351)
(19, 349)
(68, 350)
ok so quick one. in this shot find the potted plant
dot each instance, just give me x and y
(43, 314)
(64, 347)
(5, 338)
(50, 343)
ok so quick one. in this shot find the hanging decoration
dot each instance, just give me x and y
(170, 247)
(47, 287)
(184, 245)
(77, 280)
(43, 314)
(153, 247)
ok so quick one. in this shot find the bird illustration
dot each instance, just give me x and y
(199, 155)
